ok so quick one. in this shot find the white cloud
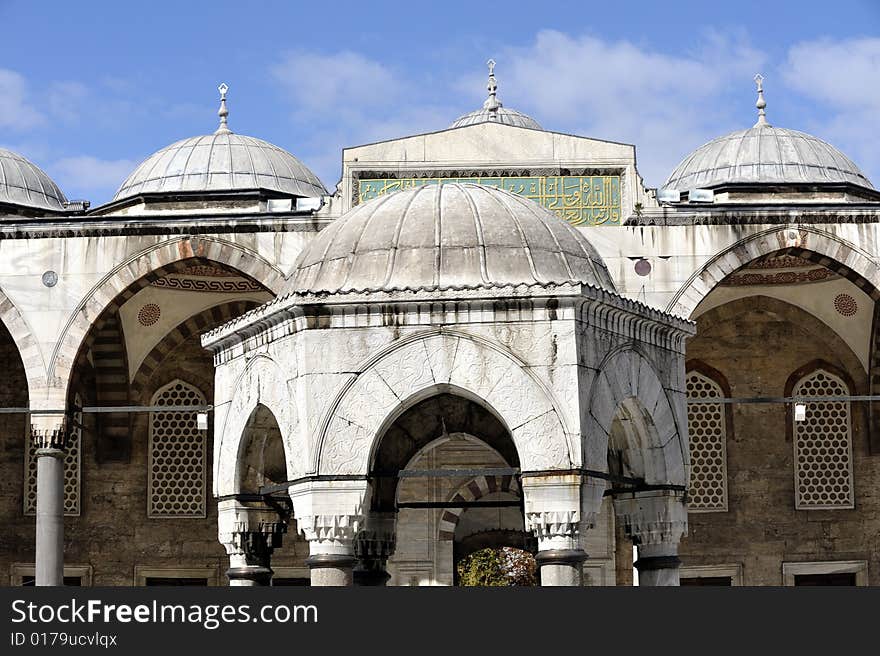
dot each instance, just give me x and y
(90, 176)
(347, 99)
(665, 104)
(843, 77)
(336, 82)
(16, 113)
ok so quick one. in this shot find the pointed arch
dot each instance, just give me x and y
(808, 242)
(628, 387)
(140, 270)
(262, 382)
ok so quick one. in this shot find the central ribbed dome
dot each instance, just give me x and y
(447, 236)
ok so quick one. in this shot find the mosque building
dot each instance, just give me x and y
(489, 335)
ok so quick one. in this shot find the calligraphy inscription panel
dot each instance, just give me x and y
(579, 199)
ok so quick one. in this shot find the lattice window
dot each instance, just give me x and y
(823, 475)
(72, 471)
(707, 429)
(177, 455)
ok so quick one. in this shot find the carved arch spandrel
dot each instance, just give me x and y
(434, 362)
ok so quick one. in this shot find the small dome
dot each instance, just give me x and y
(24, 183)
(221, 162)
(447, 236)
(493, 111)
(501, 115)
(764, 154)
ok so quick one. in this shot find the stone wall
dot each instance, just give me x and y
(757, 344)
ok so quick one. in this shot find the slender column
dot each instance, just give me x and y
(250, 532)
(373, 546)
(655, 520)
(49, 435)
(558, 508)
(330, 514)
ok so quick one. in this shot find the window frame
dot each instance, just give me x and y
(144, 572)
(793, 382)
(205, 461)
(18, 571)
(857, 567)
(732, 570)
(701, 368)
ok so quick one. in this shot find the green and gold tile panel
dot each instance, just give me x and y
(581, 200)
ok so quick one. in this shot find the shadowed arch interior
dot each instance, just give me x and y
(261, 458)
(629, 441)
(425, 422)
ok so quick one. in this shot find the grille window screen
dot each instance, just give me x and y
(71, 471)
(822, 446)
(708, 439)
(177, 455)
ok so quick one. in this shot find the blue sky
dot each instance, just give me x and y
(89, 89)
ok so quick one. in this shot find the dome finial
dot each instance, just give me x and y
(223, 112)
(492, 103)
(761, 104)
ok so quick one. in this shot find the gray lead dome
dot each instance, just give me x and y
(25, 184)
(765, 155)
(448, 236)
(221, 162)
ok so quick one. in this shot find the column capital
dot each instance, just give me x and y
(330, 514)
(250, 532)
(239, 525)
(559, 507)
(652, 517)
(50, 432)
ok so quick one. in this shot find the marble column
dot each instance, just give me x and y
(49, 435)
(250, 532)
(558, 508)
(373, 546)
(655, 520)
(330, 514)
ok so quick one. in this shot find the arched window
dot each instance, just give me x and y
(708, 426)
(823, 475)
(177, 455)
(72, 469)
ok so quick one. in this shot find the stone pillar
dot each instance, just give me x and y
(558, 507)
(330, 514)
(249, 531)
(655, 520)
(49, 435)
(373, 546)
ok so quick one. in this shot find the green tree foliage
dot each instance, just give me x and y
(503, 566)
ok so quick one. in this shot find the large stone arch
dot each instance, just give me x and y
(29, 350)
(263, 382)
(138, 271)
(809, 242)
(627, 382)
(433, 362)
